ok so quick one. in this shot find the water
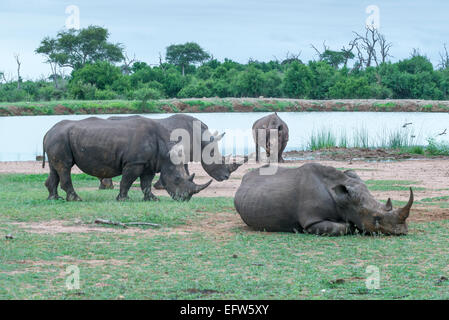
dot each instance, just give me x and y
(21, 137)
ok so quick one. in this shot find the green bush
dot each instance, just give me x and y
(105, 95)
(147, 94)
(437, 148)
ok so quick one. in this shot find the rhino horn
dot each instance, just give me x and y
(199, 187)
(216, 137)
(191, 177)
(389, 205)
(405, 211)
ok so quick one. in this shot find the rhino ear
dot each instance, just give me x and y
(342, 194)
(352, 174)
(341, 190)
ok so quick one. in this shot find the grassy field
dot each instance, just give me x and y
(196, 253)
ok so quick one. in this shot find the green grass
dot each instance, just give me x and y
(385, 106)
(437, 148)
(238, 264)
(392, 185)
(322, 139)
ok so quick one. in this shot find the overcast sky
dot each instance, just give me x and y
(236, 29)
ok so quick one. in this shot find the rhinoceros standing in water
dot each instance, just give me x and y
(316, 199)
(132, 148)
(267, 123)
(219, 170)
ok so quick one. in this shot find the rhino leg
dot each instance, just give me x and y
(158, 185)
(280, 159)
(66, 183)
(52, 183)
(129, 175)
(106, 184)
(330, 228)
(145, 185)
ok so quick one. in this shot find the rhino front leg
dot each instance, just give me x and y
(145, 185)
(330, 228)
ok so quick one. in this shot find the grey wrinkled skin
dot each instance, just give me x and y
(219, 171)
(267, 123)
(104, 149)
(316, 199)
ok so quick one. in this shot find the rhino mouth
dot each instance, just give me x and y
(186, 195)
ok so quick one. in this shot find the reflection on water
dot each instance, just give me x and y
(21, 137)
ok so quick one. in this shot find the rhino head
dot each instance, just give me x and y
(357, 204)
(174, 178)
(217, 166)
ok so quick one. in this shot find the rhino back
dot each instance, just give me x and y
(291, 198)
(268, 202)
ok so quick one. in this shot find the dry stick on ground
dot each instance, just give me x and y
(125, 225)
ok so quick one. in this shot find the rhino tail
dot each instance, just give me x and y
(43, 153)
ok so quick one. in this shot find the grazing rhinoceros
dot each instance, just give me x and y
(268, 123)
(219, 170)
(102, 148)
(316, 199)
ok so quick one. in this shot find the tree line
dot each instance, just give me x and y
(102, 70)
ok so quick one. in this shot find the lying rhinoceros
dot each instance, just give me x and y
(134, 148)
(316, 199)
(219, 170)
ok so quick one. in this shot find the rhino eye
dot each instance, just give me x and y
(178, 180)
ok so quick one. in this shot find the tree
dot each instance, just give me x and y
(444, 58)
(183, 55)
(100, 74)
(19, 63)
(297, 82)
(75, 48)
(48, 48)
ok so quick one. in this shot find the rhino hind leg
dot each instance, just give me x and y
(330, 228)
(106, 183)
(52, 183)
(66, 183)
(145, 185)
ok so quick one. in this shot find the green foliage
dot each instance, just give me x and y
(323, 139)
(147, 94)
(190, 73)
(75, 48)
(437, 148)
(183, 55)
(297, 82)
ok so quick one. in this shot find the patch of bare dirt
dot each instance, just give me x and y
(428, 214)
(61, 226)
